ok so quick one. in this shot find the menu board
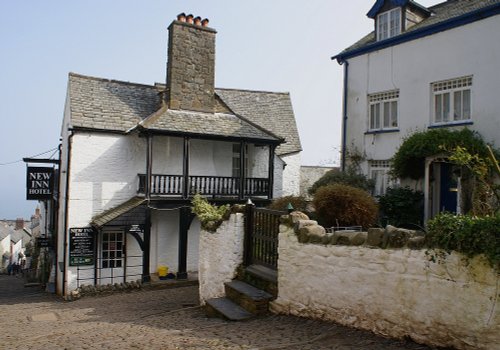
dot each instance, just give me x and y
(81, 246)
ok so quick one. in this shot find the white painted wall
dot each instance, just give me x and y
(4, 248)
(411, 67)
(220, 255)
(104, 174)
(395, 293)
(291, 174)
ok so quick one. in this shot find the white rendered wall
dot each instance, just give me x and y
(220, 255)
(103, 173)
(291, 174)
(395, 293)
(4, 248)
(411, 67)
(165, 241)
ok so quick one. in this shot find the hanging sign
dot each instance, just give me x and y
(81, 246)
(39, 183)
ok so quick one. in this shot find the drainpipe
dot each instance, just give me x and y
(66, 204)
(344, 119)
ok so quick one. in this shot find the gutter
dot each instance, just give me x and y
(467, 18)
(344, 119)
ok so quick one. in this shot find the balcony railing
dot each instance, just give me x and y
(216, 186)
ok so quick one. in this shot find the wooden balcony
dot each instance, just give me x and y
(215, 186)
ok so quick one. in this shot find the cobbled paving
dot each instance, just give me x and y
(159, 319)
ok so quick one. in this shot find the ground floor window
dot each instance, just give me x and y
(112, 249)
(379, 173)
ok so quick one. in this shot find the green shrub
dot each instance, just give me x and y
(342, 205)
(401, 205)
(466, 234)
(298, 203)
(349, 178)
(409, 160)
(209, 215)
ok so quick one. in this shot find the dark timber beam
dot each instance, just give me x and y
(147, 247)
(185, 168)
(271, 171)
(185, 218)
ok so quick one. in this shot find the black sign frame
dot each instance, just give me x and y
(39, 183)
(82, 246)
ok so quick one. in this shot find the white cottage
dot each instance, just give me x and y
(421, 68)
(133, 155)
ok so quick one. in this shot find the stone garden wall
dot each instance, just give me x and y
(221, 253)
(396, 291)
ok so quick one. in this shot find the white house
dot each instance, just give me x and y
(133, 155)
(421, 68)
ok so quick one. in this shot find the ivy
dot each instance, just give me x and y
(469, 235)
(409, 160)
(210, 216)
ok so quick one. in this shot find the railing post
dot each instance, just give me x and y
(249, 226)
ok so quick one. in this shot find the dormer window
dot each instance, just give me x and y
(389, 24)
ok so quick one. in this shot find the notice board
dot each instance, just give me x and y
(82, 246)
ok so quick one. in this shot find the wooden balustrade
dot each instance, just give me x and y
(205, 185)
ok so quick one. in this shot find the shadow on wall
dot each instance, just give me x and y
(105, 169)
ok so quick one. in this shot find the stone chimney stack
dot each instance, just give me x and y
(191, 65)
(19, 224)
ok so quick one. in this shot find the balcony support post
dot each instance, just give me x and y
(185, 169)
(243, 170)
(272, 148)
(149, 165)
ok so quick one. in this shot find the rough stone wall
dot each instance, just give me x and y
(393, 292)
(191, 67)
(221, 253)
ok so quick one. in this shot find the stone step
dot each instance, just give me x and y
(227, 309)
(247, 296)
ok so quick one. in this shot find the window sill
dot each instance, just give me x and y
(446, 125)
(381, 131)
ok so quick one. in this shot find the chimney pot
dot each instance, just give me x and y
(204, 22)
(189, 19)
(181, 17)
(197, 21)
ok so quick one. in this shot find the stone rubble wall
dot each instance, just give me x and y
(221, 253)
(395, 292)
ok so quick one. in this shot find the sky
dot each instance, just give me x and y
(268, 45)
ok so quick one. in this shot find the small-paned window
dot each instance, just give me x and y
(383, 110)
(379, 173)
(112, 249)
(389, 24)
(452, 100)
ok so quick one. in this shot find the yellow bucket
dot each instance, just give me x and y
(162, 271)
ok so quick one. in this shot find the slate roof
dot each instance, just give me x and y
(273, 111)
(111, 214)
(440, 13)
(118, 106)
(104, 104)
(5, 230)
(215, 124)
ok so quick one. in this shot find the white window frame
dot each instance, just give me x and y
(389, 24)
(383, 111)
(112, 249)
(380, 169)
(451, 101)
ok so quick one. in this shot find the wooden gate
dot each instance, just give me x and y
(261, 236)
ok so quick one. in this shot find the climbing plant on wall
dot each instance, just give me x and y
(409, 160)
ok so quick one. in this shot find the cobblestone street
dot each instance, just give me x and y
(158, 319)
